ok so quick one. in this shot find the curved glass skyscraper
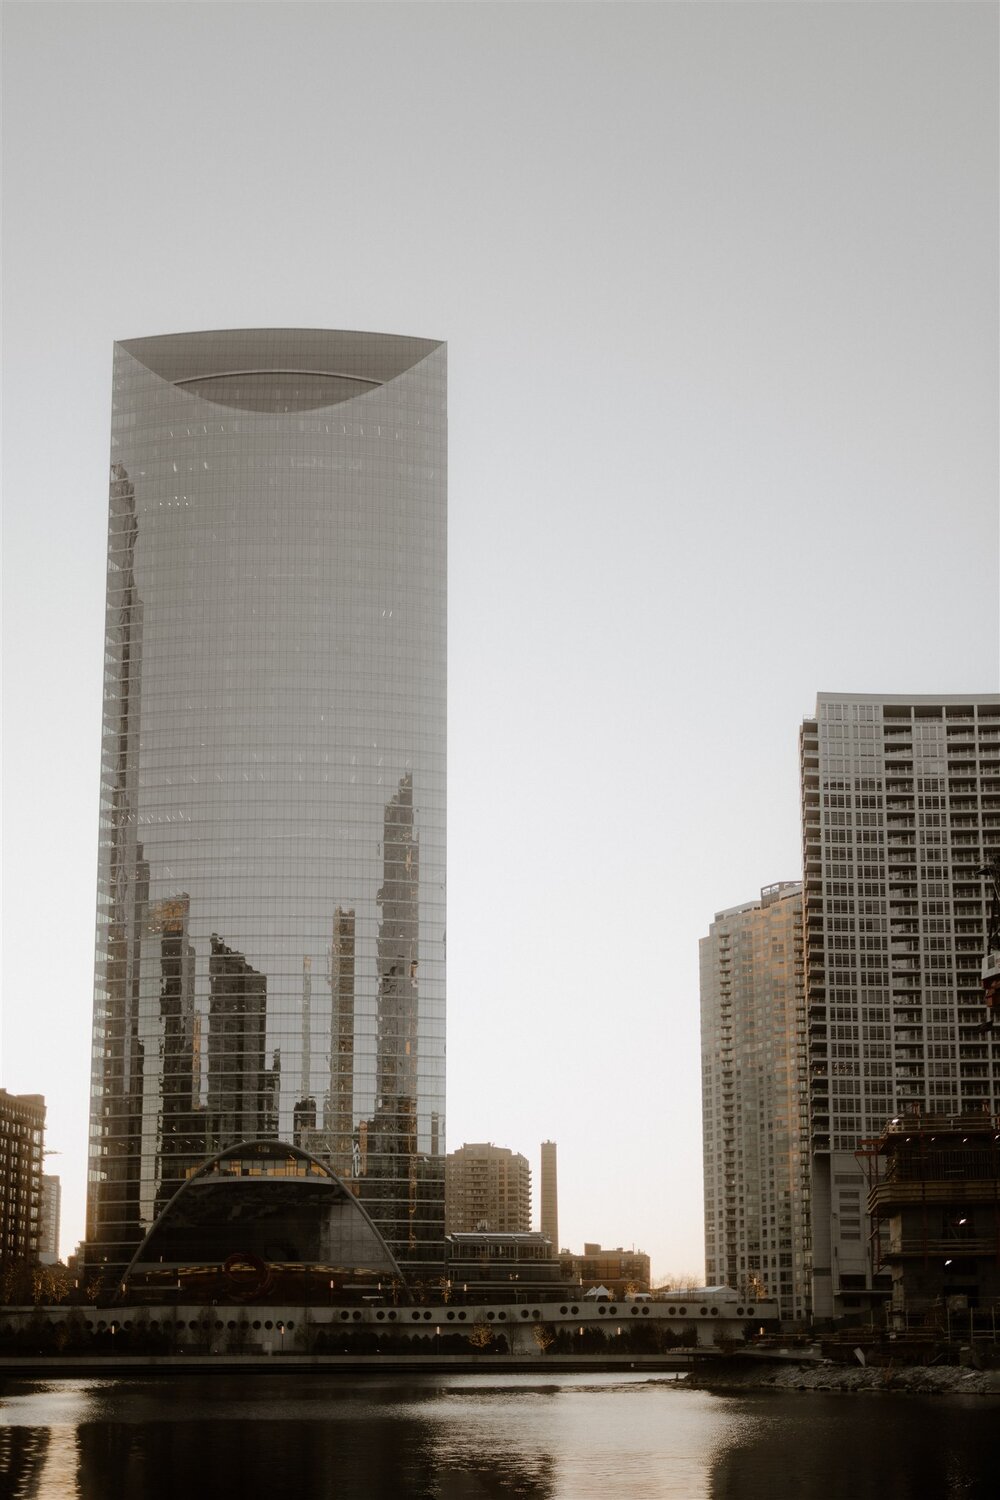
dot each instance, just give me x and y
(271, 883)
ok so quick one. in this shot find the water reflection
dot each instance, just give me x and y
(389, 1455)
(23, 1454)
(821, 1447)
(576, 1438)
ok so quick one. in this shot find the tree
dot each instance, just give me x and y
(15, 1281)
(50, 1284)
(678, 1281)
(94, 1287)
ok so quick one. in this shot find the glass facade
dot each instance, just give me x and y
(271, 882)
(283, 1208)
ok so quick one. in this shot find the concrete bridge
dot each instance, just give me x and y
(702, 1318)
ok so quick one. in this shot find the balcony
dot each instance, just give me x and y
(914, 1245)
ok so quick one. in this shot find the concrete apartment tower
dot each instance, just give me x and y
(22, 1135)
(49, 1220)
(900, 810)
(487, 1187)
(549, 1193)
(754, 1101)
(270, 957)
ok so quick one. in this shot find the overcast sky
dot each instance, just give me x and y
(719, 285)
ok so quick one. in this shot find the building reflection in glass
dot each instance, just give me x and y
(273, 761)
(335, 1142)
(304, 1115)
(242, 1092)
(117, 1073)
(390, 1181)
(173, 1133)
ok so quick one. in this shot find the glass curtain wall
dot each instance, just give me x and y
(271, 882)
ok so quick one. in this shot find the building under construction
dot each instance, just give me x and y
(934, 1201)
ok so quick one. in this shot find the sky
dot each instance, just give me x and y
(719, 285)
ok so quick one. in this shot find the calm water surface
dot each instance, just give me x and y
(456, 1438)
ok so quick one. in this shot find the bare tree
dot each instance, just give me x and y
(678, 1281)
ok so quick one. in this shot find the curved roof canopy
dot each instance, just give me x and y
(270, 1201)
(277, 370)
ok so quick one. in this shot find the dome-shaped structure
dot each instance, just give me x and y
(259, 1213)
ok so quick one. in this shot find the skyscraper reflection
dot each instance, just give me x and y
(391, 1179)
(242, 1092)
(339, 1113)
(169, 1076)
(117, 1073)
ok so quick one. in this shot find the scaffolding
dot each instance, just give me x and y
(934, 1196)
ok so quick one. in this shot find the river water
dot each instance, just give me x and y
(572, 1437)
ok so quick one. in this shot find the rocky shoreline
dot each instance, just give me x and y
(924, 1380)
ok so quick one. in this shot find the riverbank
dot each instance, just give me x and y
(738, 1376)
(719, 1375)
(112, 1366)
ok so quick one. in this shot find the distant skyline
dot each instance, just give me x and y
(719, 286)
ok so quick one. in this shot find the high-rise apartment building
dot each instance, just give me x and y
(754, 1100)
(48, 1232)
(900, 810)
(22, 1128)
(271, 888)
(549, 1195)
(487, 1187)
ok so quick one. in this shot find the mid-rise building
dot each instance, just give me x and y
(549, 1194)
(496, 1267)
(755, 1101)
(900, 811)
(487, 1188)
(620, 1272)
(270, 954)
(22, 1128)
